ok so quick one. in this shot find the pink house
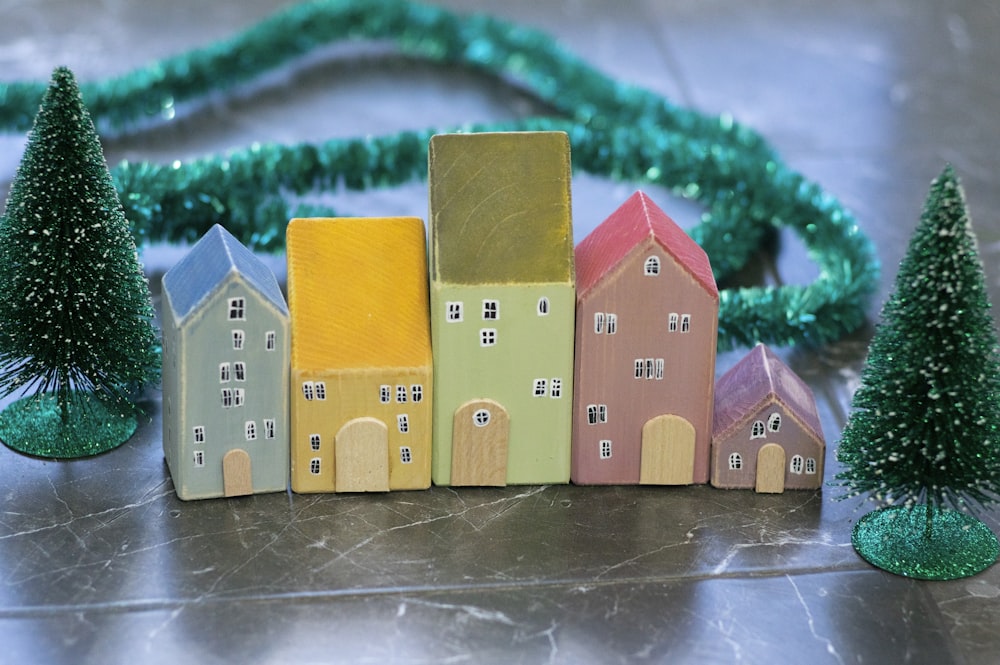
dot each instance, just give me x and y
(646, 332)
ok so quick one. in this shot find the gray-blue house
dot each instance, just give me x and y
(225, 372)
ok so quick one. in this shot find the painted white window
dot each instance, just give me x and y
(239, 339)
(591, 414)
(314, 466)
(239, 396)
(602, 413)
(612, 324)
(639, 365)
(401, 394)
(320, 390)
(774, 422)
(454, 311)
(757, 430)
(650, 368)
(240, 371)
(237, 309)
(405, 454)
(605, 452)
(417, 392)
(659, 369)
(250, 428)
(403, 423)
(225, 373)
(315, 441)
(685, 323)
(488, 337)
(651, 268)
(491, 310)
(543, 306)
(540, 387)
(199, 434)
(735, 462)
(269, 430)
(227, 398)
(270, 340)
(672, 321)
(555, 388)
(481, 418)
(385, 393)
(796, 465)
(308, 390)
(810, 465)
(598, 322)
(199, 458)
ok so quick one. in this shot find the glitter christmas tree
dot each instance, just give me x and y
(76, 333)
(924, 433)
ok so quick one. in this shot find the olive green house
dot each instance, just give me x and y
(502, 298)
(225, 372)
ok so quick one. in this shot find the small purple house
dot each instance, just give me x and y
(766, 433)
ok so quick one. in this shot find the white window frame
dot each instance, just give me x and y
(227, 398)
(308, 390)
(199, 433)
(237, 309)
(795, 466)
(811, 465)
(405, 455)
(685, 323)
(400, 394)
(240, 371)
(454, 311)
(598, 323)
(540, 387)
(320, 387)
(315, 466)
(673, 321)
(591, 414)
(658, 372)
(555, 388)
(612, 324)
(250, 430)
(239, 340)
(269, 428)
(270, 340)
(602, 413)
(604, 450)
(757, 430)
(487, 337)
(735, 462)
(199, 459)
(543, 306)
(640, 366)
(239, 396)
(482, 417)
(315, 442)
(774, 422)
(225, 373)
(417, 393)
(491, 310)
(403, 423)
(650, 368)
(385, 393)
(651, 266)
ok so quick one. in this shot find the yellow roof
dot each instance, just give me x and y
(357, 292)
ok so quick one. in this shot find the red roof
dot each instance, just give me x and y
(636, 220)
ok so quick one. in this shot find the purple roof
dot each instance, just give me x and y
(760, 378)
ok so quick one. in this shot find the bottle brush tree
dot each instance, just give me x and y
(923, 437)
(76, 334)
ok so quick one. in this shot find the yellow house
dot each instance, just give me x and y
(361, 372)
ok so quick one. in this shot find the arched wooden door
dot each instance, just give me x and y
(667, 451)
(771, 469)
(479, 444)
(361, 456)
(237, 476)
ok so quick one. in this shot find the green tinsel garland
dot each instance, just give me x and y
(616, 130)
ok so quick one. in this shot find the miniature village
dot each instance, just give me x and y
(392, 367)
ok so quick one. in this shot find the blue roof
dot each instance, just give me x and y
(213, 258)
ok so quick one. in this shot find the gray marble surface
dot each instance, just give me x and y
(100, 563)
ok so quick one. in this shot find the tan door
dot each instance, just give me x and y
(479, 444)
(237, 479)
(771, 469)
(667, 451)
(361, 456)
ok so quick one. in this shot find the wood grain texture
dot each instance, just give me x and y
(236, 473)
(668, 451)
(479, 453)
(362, 452)
(771, 469)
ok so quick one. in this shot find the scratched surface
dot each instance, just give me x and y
(100, 563)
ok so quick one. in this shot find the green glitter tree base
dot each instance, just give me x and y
(34, 425)
(896, 539)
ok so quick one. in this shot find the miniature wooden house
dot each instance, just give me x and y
(646, 332)
(502, 299)
(767, 431)
(361, 355)
(225, 372)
